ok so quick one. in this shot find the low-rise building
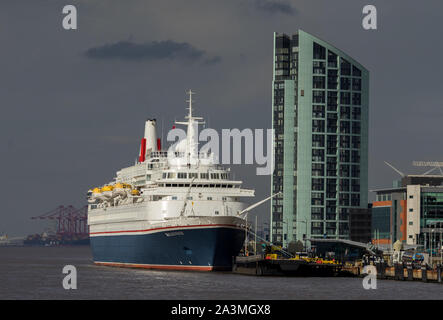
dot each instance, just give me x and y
(411, 211)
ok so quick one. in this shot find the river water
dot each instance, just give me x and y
(36, 273)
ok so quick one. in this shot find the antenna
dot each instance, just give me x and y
(395, 169)
(190, 103)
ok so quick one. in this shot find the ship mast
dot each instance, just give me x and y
(192, 132)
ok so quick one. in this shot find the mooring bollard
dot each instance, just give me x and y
(424, 274)
(382, 270)
(398, 272)
(410, 272)
(401, 271)
(439, 269)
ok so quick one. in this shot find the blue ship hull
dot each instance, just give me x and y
(202, 249)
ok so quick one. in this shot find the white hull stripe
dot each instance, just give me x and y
(162, 229)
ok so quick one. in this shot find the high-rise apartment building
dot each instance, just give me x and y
(320, 117)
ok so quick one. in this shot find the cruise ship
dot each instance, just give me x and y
(173, 209)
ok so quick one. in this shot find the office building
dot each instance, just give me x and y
(411, 211)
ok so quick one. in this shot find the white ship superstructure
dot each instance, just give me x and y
(172, 209)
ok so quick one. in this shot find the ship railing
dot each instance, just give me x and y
(166, 154)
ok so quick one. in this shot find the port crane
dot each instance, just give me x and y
(70, 221)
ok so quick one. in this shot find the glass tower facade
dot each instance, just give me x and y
(320, 118)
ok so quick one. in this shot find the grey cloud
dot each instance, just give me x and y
(273, 6)
(155, 50)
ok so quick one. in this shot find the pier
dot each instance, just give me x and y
(263, 265)
(402, 272)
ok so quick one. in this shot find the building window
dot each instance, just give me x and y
(317, 184)
(318, 169)
(318, 155)
(318, 96)
(318, 111)
(356, 84)
(345, 67)
(317, 213)
(318, 140)
(345, 112)
(318, 67)
(318, 125)
(345, 98)
(319, 51)
(344, 185)
(318, 82)
(356, 98)
(356, 72)
(317, 198)
(332, 60)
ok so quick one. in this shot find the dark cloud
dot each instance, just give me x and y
(273, 6)
(155, 50)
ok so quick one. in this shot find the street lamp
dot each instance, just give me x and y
(263, 229)
(441, 245)
(287, 232)
(432, 240)
(306, 233)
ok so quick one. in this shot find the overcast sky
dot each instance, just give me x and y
(74, 102)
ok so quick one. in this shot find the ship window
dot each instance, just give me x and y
(225, 176)
(171, 175)
(148, 177)
(189, 198)
(182, 175)
(180, 184)
(187, 185)
(224, 198)
(164, 175)
(204, 175)
(217, 185)
(215, 176)
(229, 185)
(216, 212)
(206, 186)
(168, 184)
(209, 198)
(174, 198)
(193, 175)
(211, 185)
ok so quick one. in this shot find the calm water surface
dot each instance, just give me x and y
(36, 273)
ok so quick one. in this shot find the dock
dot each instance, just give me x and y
(402, 272)
(261, 266)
